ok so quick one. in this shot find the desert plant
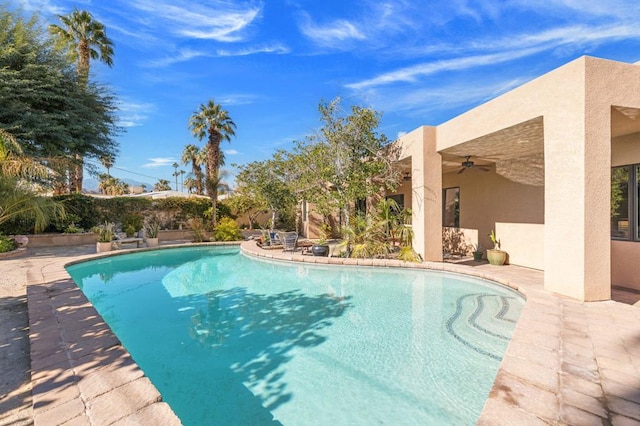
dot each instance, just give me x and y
(129, 230)
(7, 244)
(364, 238)
(494, 240)
(227, 230)
(105, 232)
(151, 229)
(197, 226)
(132, 223)
(408, 254)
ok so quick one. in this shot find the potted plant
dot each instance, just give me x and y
(477, 252)
(320, 247)
(496, 256)
(105, 237)
(151, 230)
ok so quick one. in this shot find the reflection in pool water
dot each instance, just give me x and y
(231, 340)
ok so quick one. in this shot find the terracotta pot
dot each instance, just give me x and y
(496, 257)
(152, 242)
(103, 247)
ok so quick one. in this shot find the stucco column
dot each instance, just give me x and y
(577, 201)
(426, 191)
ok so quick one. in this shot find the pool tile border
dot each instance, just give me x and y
(567, 363)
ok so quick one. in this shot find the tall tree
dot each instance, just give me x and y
(196, 158)
(84, 39)
(212, 121)
(45, 108)
(348, 156)
(107, 161)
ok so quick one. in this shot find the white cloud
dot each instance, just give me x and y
(217, 20)
(277, 49)
(331, 34)
(410, 74)
(132, 114)
(181, 56)
(238, 99)
(159, 162)
(44, 6)
(504, 50)
(231, 152)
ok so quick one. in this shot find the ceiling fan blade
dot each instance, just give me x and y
(462, 170)
(484, 169)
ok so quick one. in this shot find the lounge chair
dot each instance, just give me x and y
(289, 241)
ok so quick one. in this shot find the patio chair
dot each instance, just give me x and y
(274, 239)
(289, 240)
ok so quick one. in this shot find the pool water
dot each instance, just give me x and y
(229, 339)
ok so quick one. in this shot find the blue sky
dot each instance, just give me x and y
(269, 63)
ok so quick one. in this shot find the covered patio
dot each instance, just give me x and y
(535, 166)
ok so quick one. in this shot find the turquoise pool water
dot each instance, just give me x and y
(229, 339)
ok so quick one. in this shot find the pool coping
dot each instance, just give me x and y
(567, 363)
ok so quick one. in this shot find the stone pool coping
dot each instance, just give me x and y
(567, 363)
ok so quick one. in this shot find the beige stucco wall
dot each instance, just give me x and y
(487, 198)
(524, 243)
(575, 102)
(625, 264)
(625, 150)
(426, 191)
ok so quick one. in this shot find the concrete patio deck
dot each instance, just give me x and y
(568, 362)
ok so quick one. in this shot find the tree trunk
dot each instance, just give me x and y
(213, 164)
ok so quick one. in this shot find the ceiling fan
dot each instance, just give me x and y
(467, 164)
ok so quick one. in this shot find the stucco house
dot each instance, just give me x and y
(543, 158)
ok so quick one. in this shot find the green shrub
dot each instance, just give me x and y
(132, 221)
(6, 244)
(227, 230)
(197, 226)
(81, 209)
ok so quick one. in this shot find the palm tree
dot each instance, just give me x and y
(162, 185)
(197, 158)
(215, 122)
(107, 161)
(17, 199)
(175, 173)
(84, 38)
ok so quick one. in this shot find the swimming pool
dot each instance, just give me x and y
(229, 339)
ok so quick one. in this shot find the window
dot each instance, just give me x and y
(625, 203)
(451, 207)
(399, 199)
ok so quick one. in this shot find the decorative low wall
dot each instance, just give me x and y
(49, 240)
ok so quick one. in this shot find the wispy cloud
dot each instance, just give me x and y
(332, 33)
(44, 6)
(410, 74)
(238, 99)
(217, 20)
(182, 55)
(159, 162)
(134, 114)
(278, 49)
(504, 50)
(231, 152)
